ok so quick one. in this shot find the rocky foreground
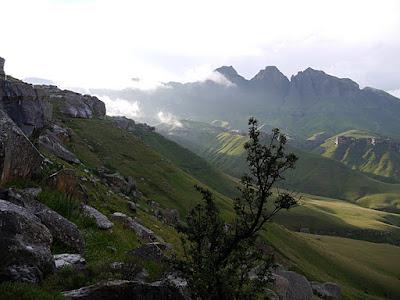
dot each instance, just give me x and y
(33, 148)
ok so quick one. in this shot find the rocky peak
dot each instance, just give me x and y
(2, 61)
(312, 85)
(271, 79)
(230, 73)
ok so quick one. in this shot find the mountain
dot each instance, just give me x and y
(310, 102)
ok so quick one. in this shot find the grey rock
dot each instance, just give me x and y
(52, 144)
(180, 283)
(24, 245)
(101, 220)
(125, 290)
(299, 287)
(281, 286)
(169, 216)
(142, 231)
(60, 228)
(119, 183)
(151, 251)
(29, 110)
(327, 291)
(132, 206)
(66, 259)
(74, 104)
(2, 73)
(19, 159)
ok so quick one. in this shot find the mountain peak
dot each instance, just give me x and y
(269, 72)
(230, 73)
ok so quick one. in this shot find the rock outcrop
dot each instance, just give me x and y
(73, 104)
(142, 232)
(327, 290)
(19, 159)
(24, 245)
(101, 220)
(151, 251)
(290, 285)
(124, 290)
(26, 107)
(2, 73)
(66, 259)
(60, 228)
(50, 142)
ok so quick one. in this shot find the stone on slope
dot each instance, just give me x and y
(125, 290)
(66, 259)
(151, 251)
(19, 159)
(60, 228)
(52, 144)
(24, 245)
(142, 231)
(299, 287)
(101, 220)
(326, 291)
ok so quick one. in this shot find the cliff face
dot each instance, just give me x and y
(31, 107)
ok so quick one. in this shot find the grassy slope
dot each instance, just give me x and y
(364, 270)
(376, 160)
(192, 163)
(172, 187)
(314, 174)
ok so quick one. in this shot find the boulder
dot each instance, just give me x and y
(125, 290)
(281, 286)
(151, 251)
(29, 110)
(143, 232)
(101, 220)
(168, 215)
(68, 182)
(19, 159)
(73, 104)
(60, 228)
(299, 287)
(24, 245)
(326, 291)
(66, 259)
(132, 206)
(52, 144)
(119, 183)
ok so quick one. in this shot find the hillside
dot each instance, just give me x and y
(355, 149)
(313, 174)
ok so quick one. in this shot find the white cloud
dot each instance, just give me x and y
(102, 43)
(395, 93)
(169, 119)
(121, 107)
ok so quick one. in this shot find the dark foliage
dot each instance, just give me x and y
(224, 261)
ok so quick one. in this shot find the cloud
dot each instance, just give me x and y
(121, 107)
(395, 93)
(101, 43)
(168, 118)
(220, 79)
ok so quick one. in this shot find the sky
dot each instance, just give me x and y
(118, 44)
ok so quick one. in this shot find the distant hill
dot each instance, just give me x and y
(310, 102)
(364, 151)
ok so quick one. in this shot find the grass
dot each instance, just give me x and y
(25, 291)
(364, 270)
